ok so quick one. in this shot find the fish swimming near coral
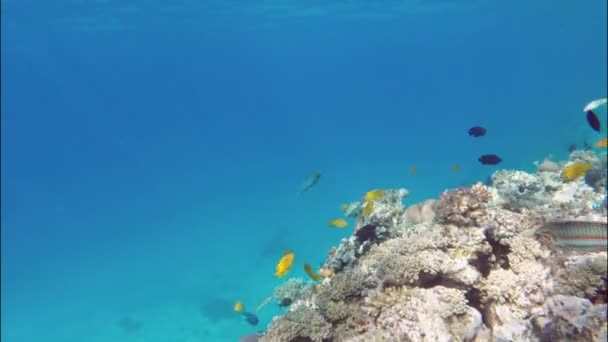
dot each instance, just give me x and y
(367, 233)
(580, 236)
(490, 159)
(309, 182)
(477, 131)
(264, 303)
(455, 168)
(594, 104)
(593, 120)
(338, 223)
(250, 318)
(575, 170)
(602, 143)
(285, 264)
(368, 208)
(311, 273)
(413, 170)
(373, 195)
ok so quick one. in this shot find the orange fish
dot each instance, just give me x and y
(602, 143)
(455, 168)
(413, 170)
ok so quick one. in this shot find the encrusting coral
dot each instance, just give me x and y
(466, 267)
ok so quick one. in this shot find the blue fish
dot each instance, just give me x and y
(250, 318)
(310, 182)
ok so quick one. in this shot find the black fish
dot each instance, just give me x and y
(285, 302)
(477, 131)
(250, 318)
(572, 148)
(593, 121)
(367, 233)
(490, 159)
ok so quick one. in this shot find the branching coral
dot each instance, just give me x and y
(302, 323)
(293, 289)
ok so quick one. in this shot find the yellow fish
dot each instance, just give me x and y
(368, 208)
(455, 168)
(284, 265)
(238, 306)
(373, 195)
(311, 273)
(603, 143)
(575, 170)
(338, 223)
(413, 170)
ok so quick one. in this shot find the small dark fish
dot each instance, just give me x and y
(593, 121)
(490, 159)
(572, 148)
(285, 302)
(586, 146)
(310, 181)
(477, 131)
(367, 233)
(250, 318)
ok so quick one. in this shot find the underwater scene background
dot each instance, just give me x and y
(152, 152)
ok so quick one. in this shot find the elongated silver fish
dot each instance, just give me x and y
(580, 236)
(310, 182)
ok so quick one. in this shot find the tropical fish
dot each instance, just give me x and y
(311, 273)
(250, 318)
(581, 236)
(284, 265)
(285, 302)
(368, 208)
(593, 120)
(238, 306)
(264, 303)
(477, 131)
(603, 143)
(309, 182)
(338, 223)
(572, 148)
(413, 170)
(594, 104)
(373, 195)
(367, 233)
(455, 168)
(489, 159)
(575, 170)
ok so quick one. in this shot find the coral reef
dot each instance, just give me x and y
(292, 290)
(466, 267)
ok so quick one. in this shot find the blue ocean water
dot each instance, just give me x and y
(152, 152)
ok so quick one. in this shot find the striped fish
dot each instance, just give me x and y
(580, 236)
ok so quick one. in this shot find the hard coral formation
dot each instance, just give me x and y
(464, 205)
(293, 289)
(467, 267)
